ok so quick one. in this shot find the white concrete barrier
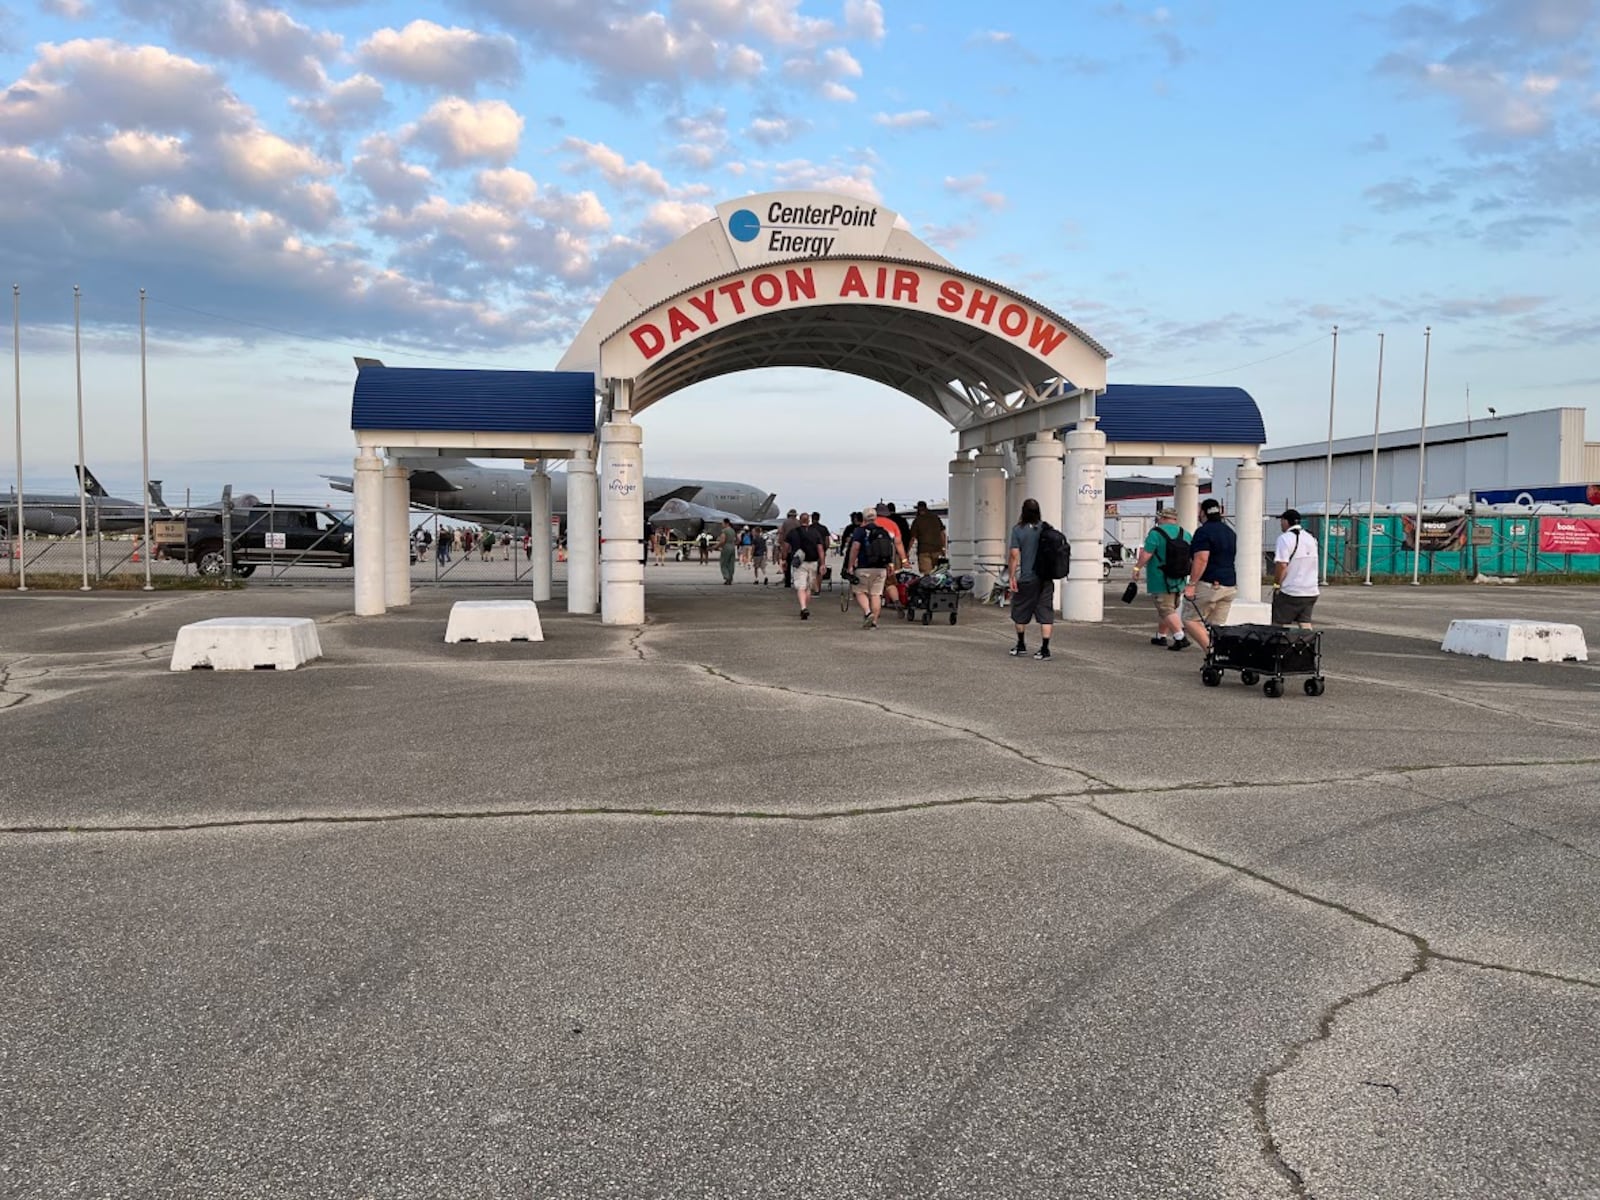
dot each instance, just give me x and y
(246, 644)
(494, 621)
(1517, 641)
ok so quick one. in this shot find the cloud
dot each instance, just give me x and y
(802, 174)
(72, 10)
(824, 72)
(350, 103)
(430, 55)
(919, 118)
(775, 130)
(704, 136)
(616, 170)
(974, 186)
(671, 219)
(864, 19)
(381, 168)
(1398, 195)
(460, 131)
(268, 39)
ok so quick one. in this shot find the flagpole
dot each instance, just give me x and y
(83, 485)
(1422, 457)
(1327, 475)
(144, 434)
(16, 367)
(1372, 500)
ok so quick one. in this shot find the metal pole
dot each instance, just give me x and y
(1327, 476)
(1372, 501)
(144, 434)
(1422, 458)
(83, 489)
(16, 367)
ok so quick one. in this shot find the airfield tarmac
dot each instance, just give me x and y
(736, 905)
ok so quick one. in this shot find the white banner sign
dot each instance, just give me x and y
(788, 225)
(1091, 485)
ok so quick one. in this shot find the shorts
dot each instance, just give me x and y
(1292, 610)
(926, 562)
(1166, 603)
(1215, 602)
(1032, 601)
(808, 576)
(869, 581)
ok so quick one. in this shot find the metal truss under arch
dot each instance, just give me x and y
(961, 373)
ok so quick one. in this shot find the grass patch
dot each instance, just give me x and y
(49, 581)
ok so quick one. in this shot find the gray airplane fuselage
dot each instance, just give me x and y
(57, 513)
(500, 494)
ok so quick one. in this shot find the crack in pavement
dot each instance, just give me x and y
(1531, 830)
(1423, 956)
(1498, 710)
(13, 698)
(949, 726)
(132, 614)
(499, 814)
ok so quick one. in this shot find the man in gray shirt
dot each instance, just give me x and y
(1030, 595)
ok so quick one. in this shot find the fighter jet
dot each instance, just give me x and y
(57, 513)
(688, 520)
(499, 495)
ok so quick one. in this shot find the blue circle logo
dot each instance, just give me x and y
(744, 226)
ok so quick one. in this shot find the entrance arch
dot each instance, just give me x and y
(871, 300)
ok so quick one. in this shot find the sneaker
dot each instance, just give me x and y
(1181, 644)
(805, 614)
(1042, 655)
(1158, 641)
(868, 623)
(1018, 651)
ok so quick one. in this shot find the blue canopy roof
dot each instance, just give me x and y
(1131, 412)
(487, 401)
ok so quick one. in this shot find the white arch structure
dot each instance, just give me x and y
(865, 297)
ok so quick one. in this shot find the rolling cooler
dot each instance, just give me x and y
(936, 592)
(1269, 651)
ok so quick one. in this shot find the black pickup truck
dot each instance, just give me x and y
(283, 536)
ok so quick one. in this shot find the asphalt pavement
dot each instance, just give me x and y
(738, 905)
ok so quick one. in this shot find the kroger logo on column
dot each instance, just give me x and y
(789, 225)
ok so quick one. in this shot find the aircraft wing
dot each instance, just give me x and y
(423, 480)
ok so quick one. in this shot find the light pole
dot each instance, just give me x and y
(16, 367)
(144, 434)
(83, 476)
(1327, 475)
(1372, 500)
(1422, 458)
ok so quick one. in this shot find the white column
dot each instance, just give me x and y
(988, 519)
(1187, 496)
(583, 535)
(1084, 521)
(368, 490)
(621, 522)
(1249, 495)
(1016, 492)
(396, 536)
(1045, 454)
(958, 529)
(539, 532)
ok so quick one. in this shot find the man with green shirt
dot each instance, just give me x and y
(1164, 590)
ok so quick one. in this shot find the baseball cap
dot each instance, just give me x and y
(881, 509)
(1210, 505)
(1167, 514)
(1291, 515)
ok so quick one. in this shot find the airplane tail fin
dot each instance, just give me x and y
(156, 498)
(769, 507)
(91, 485)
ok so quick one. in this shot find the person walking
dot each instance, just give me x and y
(727, 549)
(1213, 579)
(1031, 596)
(805, 549)
(1294, 573)
(873, 552)
(791, 520)
(758, 557)
(928, 532)
(1165, 561)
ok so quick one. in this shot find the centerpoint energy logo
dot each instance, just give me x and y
(790, 225)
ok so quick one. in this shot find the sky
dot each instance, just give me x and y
(1205, 188)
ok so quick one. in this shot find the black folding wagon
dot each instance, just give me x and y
(1265, 652)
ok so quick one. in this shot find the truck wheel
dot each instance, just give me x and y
(209, 561)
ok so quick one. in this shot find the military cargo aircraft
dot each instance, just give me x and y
(56, 513)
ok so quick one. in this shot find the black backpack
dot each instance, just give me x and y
(877, 547)
(1053, 559)
(1175, 563)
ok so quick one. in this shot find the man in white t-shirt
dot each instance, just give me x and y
(1294, 573)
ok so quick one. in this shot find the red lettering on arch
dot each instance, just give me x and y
(767, 290)
(679, 324)
(801, 283)
(707, 306)
(649, 339)
(853, 284)
(1012, 320)
(983, 304)
(1045, 337)
(950, 293)
(905, 286)
(731, 291)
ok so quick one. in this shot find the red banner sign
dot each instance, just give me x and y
(1569, 535)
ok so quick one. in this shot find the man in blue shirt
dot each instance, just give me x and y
(1213, 577)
